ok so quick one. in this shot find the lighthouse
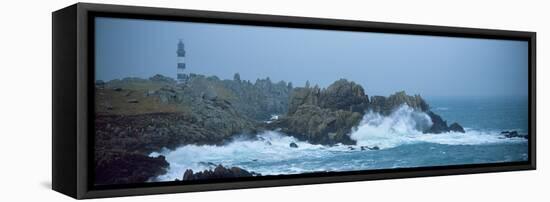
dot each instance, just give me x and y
(181, 77)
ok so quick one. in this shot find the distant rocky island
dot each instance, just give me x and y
(136, 116)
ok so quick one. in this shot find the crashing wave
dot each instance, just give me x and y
(405, 126)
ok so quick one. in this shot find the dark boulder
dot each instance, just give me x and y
(207, 163)
(293, 145)
(440, 126)
(455, 127)
(513, 134)
(117, 167)
(363, 148)
(218, 173)
(188, 175)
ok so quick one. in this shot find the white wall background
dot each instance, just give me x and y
(25, 113)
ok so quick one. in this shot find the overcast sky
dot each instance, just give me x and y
(381, 63)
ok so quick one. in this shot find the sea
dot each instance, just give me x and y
(397, 138)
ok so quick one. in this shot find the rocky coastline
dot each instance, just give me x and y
(135, 117)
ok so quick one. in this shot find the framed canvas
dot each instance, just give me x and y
(156, 100)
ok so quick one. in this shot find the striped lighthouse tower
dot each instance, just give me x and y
(181, 77)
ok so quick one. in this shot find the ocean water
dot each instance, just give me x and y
(484, 113)
(398, 137)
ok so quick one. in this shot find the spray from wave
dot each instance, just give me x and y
(405, 126)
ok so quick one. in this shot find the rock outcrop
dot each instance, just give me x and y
(257, 101)
(386, 105)
(513, 134)
(218, 173)
(340, 95)
(119, 167)
(455, 127)
(327, 116)
(324, 116)
(146, 133)
(440, 126)
(320, 125)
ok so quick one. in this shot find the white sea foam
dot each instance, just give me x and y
(405, 126)
(270, 146)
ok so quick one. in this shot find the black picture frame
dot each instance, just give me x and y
(73, 99)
